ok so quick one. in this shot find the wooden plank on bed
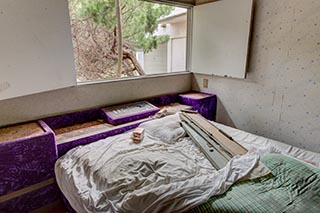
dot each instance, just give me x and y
(218, 135)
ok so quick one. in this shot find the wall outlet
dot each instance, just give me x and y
(205, 83)
(4, 85)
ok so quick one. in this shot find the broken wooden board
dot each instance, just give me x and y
(213, 142)
(225, 141)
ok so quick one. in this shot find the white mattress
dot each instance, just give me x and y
(166, 172)
(264, 145)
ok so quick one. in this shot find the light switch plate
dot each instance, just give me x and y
(205, 83)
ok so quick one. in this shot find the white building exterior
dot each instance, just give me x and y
(169, 56)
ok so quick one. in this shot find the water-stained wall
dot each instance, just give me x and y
(280, 98)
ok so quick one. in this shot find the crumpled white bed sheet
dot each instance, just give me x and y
(262, 145)
(166, 172)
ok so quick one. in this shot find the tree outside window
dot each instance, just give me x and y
(133, 39)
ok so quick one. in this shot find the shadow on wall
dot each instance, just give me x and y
(222, 114)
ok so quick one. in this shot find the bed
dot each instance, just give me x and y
(166, 172)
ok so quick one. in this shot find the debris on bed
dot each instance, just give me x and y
(165, 173)
(137, 135)
(218, 147)
(171, 109)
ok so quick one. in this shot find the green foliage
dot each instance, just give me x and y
(140, 20)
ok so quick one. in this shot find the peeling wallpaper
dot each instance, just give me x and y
(280, 99)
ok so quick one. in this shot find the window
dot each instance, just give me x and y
(154, 38)
(37, 54)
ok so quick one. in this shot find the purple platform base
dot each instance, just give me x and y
(64, 147)
(69, 119)
(205, 106)
(32, 200)
(163, 100)
(126, 119)
(27, 161)
(131, 118)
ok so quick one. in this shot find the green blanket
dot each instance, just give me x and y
(293, 187)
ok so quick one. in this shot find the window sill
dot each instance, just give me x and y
(133, 78)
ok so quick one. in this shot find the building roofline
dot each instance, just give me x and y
(168, 18)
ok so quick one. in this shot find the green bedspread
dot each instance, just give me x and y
(293, 187)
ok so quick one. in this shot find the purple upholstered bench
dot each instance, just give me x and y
(28, 153)
(126, 113)
(204, 103)
(84, 127)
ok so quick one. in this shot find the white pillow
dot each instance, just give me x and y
(166, 129)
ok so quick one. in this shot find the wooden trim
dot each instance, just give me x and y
(25, 190)
(199, 2)
(178, 3)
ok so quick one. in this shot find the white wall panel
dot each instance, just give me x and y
(220, 37)
(36, 51)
